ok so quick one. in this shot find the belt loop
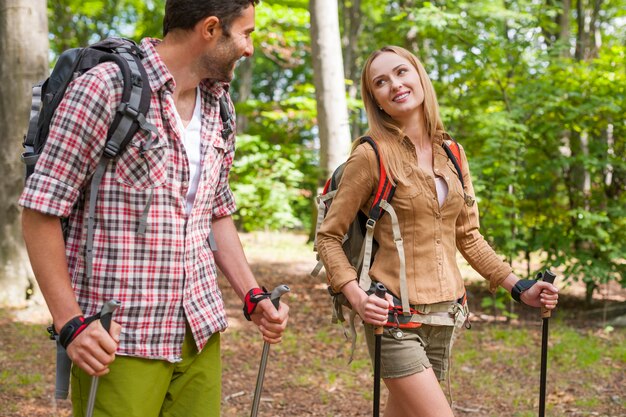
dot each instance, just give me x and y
(423, 308)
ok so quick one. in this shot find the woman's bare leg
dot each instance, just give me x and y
(417, 395)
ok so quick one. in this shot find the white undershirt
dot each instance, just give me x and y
(191, 142)
(442, 190)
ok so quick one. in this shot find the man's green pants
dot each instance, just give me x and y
(137, 387)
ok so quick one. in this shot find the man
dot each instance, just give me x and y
(161, 356)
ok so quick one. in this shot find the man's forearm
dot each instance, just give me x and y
(46, 249)
(230, 257)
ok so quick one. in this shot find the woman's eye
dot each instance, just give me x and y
(378, 83)
(402, 71)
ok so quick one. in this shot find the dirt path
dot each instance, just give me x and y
(495, 371)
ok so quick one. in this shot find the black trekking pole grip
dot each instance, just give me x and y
(380, 291)
(548, 276)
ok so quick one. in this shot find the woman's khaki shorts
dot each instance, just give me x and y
(408, 351)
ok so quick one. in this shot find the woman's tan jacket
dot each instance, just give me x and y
(431, 234)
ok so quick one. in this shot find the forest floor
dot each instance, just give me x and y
(495, 368)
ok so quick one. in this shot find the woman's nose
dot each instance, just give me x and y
(395, 83)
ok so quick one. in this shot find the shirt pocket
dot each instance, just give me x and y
(140, 166)
(410, 190)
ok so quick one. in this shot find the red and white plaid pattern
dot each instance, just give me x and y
(169, 275)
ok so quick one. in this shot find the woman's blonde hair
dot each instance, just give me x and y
(384, 129)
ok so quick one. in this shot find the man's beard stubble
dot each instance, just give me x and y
(220, 63)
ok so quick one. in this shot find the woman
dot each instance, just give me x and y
(436, 216)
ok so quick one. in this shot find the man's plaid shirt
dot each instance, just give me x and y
(168, 275)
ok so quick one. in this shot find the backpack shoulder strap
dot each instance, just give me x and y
(454, 153)
(226, 116)
(135, 104)
(385, 189)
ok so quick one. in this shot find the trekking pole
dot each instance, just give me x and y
(545, 314)
(275, 297)
(106, 314)
(378, 332)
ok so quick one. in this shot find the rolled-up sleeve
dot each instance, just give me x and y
(354, 191)
(471, 243)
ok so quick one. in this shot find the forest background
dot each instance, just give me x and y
(535, 91)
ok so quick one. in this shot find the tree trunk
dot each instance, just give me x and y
(353, 26)
(564, 22)
(24, 52)
(330, 89)
(244, 75)
(588, 40)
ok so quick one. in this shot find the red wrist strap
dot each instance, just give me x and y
(251, 299)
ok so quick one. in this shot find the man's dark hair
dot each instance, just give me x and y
(184, 14)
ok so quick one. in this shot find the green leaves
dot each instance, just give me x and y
(269, 184)
(545, 131)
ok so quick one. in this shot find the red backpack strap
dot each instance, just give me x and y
(385, 189)
(454, 153)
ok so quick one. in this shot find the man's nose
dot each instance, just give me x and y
(249, 49)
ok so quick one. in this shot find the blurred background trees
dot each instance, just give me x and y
(533, 89)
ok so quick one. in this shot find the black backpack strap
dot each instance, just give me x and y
(226, 116)
(135, 103)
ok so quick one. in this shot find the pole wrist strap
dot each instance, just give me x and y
(252, 298)
(521, 286)
(72, 329)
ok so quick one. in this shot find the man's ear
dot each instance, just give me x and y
(209, 27)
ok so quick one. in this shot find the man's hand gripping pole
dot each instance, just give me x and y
(275, 298)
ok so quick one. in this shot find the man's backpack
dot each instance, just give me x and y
(358, 243)
(47, 94)
(129, 118)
